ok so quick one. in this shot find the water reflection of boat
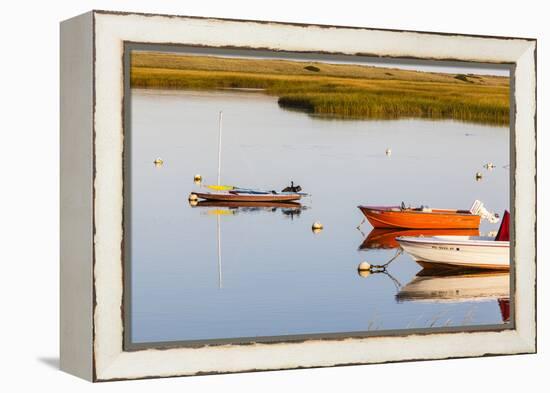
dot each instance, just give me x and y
(385, 237)
(504, 305)
(224, 208)
(445, 286)
(289, 209)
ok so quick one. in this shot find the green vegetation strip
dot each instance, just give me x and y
(335, 90)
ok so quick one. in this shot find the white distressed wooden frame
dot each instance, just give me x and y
(92, 195)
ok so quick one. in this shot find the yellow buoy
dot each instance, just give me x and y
(197, 179)
(193, 197)
(479, 176)
(158, 162)
(317, 227)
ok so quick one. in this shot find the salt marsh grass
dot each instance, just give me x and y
(339, 90)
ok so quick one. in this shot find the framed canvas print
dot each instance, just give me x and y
(247, 195)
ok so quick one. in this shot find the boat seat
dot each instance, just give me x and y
(424, 209)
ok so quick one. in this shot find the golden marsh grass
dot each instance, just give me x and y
(340, 90)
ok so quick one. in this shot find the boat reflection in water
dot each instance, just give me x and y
(504, 305)
(459, 286)
(289, 209)
(229, 208)
(384, 238)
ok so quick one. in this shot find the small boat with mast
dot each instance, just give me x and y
(225, 193)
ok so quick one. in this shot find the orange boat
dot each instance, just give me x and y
(385, 237)
(419, 218)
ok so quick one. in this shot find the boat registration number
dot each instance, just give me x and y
(446, 248)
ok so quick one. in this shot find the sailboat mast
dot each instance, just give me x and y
(220, 150)
(219, 183)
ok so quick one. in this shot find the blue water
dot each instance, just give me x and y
(276, 277)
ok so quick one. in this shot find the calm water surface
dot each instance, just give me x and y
(275, 277)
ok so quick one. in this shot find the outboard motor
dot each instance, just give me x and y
(480, 210)
(292, 188)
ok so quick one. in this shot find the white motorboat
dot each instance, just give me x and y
(481, 252)
(458, 251)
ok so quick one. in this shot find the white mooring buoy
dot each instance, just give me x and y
(317, 227)
(363, 266)
(364, 269)
(388, 152)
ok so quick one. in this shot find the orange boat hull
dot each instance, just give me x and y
(416, 219)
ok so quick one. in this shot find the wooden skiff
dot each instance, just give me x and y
(246, 197)
(396, 217)
(236, 204)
